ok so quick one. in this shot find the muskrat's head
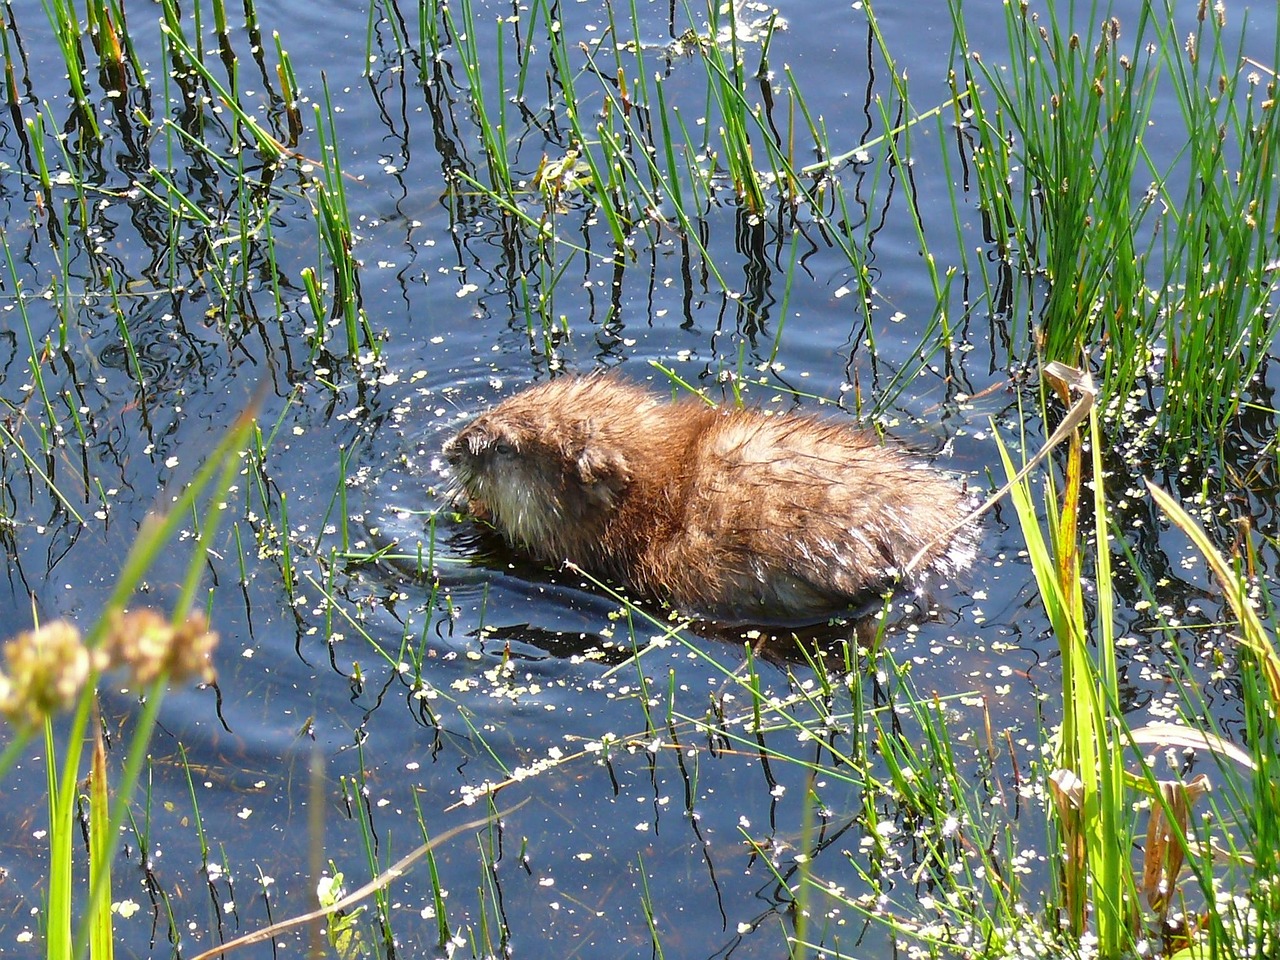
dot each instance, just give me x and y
(539, 469)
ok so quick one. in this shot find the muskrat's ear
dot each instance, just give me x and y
(603, 473)
(603, 477)
(595, 466)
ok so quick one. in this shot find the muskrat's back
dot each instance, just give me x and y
(730, 513)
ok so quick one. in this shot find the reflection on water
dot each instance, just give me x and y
(392, 658)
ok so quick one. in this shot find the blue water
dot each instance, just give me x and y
(516, 662)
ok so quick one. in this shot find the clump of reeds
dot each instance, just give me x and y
(1157, 247)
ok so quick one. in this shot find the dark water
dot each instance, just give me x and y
(514, 662)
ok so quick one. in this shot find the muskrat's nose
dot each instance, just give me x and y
(452, 449)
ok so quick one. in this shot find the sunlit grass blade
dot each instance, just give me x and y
(1088, 785)
(101, 850)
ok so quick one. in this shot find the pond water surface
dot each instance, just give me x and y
(390, 696)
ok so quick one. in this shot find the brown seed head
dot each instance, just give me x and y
(45, 671)
(150, 646)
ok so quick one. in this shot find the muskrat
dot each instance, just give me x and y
(730, 513)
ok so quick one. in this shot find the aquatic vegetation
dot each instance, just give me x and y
(365, 251)
(1153, 244)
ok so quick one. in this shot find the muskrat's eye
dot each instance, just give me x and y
(503, 449)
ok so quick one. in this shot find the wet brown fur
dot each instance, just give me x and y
(726, 512)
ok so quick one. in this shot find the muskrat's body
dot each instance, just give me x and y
(726, 512)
